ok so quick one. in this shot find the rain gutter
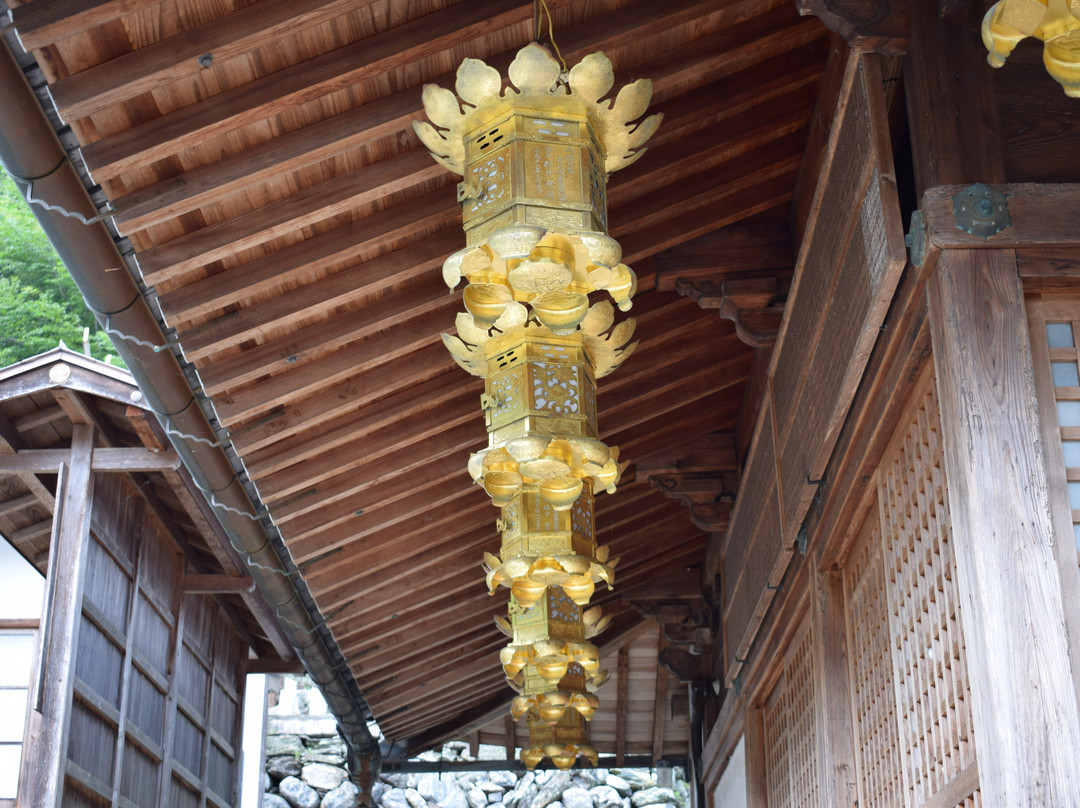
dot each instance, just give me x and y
(31, 150)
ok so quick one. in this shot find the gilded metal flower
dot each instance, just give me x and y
(536, 82)
(1055, 22)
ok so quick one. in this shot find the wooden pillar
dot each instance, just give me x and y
(756, 783)
(836, 752)
(660, 705)
(60, 623)
(510, 739)
(621, 701)
(1024, 708)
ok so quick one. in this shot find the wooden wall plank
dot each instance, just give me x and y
(622, 673)
(756, 791)
(661, 706)
(848, 267)
(1043, 309)
(952, 113)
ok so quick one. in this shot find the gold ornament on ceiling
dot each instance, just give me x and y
(534, 151)
(1055, 22)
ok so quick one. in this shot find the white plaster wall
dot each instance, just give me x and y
(731, 790)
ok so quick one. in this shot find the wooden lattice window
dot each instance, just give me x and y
(1055, 335)
(790, 723)
(929, 671)
(873, 695)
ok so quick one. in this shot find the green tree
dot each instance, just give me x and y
(40, 305)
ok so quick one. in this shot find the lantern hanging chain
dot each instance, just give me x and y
(542, 6)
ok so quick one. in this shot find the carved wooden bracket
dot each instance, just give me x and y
(688, 667)
(742, 271)
(755, 305)
(869, 26)
(676, 602)
(702, 475)
(708, 496)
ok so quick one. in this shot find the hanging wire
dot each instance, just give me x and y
(542, 6)
(28, 195)
(211, 496)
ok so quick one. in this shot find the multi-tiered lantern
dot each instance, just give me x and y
(534, 157)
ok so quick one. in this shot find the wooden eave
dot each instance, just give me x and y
(291, 228)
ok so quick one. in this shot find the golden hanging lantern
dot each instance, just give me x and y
(534, 155)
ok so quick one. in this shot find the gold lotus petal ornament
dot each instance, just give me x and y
(477, 83)
(467, 358)
(591, 78)
(1055, 22)
(598, 319)
(503, 625)
(515, 316)
(534, 71)
(531, 756)
(526, 592)
(515, 242)
(441, 106)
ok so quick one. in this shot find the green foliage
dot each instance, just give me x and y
(39, 302)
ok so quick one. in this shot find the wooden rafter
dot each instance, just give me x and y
(280, 207)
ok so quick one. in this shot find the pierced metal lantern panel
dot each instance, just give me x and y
(553, 617)
(569, 730)
(532, 527)
(533, 167)
(540, 386)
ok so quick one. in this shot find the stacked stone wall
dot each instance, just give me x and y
(305, 768)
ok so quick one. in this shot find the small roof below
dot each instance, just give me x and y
(41, 399)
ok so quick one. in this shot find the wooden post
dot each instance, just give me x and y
(660, 705)
(1024, 708)
(65, 605)
(836, 752)
(621, 702)
(756, 786)
(510, 741)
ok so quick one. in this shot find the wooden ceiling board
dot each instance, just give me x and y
(282, 210)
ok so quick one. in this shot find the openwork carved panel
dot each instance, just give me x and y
(556, 388)
(493, 186)
(930, 675)
(582, 519)
(873, 697)
(790, 718)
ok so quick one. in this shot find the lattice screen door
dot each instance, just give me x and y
(790, 722)
(910, 694)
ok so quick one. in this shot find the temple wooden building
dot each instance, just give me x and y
(151, 616)
(848, 528)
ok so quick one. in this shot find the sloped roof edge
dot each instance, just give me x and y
(31, 150)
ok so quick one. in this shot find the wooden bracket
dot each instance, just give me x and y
(703, 475)
(708, 496)
(754, 305)
(693, 668)
(868, 26)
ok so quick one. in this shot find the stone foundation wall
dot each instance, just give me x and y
(305, 768)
